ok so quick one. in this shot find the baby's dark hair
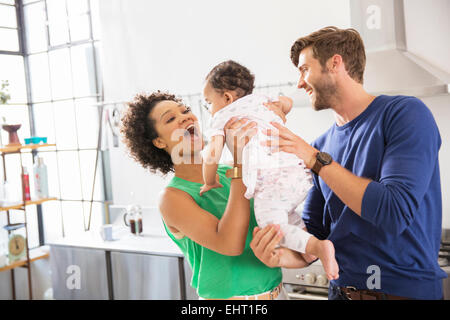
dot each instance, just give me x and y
(230, 75)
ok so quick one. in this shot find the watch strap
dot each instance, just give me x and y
(317, 166)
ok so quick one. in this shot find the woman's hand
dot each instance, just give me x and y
(289, 142)
(237, 134)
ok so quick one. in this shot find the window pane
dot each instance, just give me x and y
(77, 7)
(36, 29)
(8, 16)
(69, 175)
(96, 29)
(66, 131)
(60, 74)
(11, 69)
(87, 161)
(10, 1)
(40, 77)
(10, 40)
(52, 172)
(96, 215)
(83, 70)
(79, 28)
(15, 115)
(13, 170)
(73, 218)
(51, 212)
(87, 123)
(43, 121)
(98, 61)
(32, 224)
(57, 20)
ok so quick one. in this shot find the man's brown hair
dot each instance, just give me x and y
(329, 41)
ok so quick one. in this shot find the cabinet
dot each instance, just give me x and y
(145, 277)
(78, 273)
(119, 275)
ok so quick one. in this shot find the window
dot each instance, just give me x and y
(59, 64)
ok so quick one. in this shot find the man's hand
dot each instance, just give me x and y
(263, 245)
(289, 142)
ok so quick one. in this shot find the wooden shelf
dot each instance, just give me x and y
(35, 254)
(15, 149)
(19, 205)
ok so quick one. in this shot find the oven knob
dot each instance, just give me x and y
(310, 278)
(322, 280)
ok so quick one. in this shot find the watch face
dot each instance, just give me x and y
(324, 158)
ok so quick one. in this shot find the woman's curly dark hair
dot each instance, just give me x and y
(139, 131)
(230, 75)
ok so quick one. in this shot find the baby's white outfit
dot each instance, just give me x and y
(278, 181)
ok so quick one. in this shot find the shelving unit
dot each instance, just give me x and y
(31, 254)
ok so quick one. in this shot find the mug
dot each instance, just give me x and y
(106, 232)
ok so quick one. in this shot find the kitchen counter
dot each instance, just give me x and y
(152, 241)
(149, 266)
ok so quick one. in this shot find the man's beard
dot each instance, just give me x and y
(325, 92)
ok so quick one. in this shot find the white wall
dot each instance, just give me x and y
(171, 45)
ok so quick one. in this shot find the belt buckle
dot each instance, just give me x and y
(276, 291)
(347, 294)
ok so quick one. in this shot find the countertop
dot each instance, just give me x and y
(152, 241)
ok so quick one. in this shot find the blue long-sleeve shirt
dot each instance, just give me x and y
(395, 143)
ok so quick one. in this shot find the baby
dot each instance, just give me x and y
(278, 181)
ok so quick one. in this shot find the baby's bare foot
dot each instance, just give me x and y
(326, 255)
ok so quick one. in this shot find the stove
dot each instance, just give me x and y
(309, 283)
(444, 261)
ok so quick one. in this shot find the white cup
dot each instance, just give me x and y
(106, 232)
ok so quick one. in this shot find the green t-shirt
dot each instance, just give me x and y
(217, 276)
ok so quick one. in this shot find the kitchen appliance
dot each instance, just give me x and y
(390, 67)
(308, 283)
(444, 261)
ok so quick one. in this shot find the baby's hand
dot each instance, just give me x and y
(277, 108)
(205, 188)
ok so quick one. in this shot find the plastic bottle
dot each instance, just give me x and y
(40, 179)
(26, 184)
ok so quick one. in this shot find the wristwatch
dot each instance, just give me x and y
(321, 159)
(234, 173)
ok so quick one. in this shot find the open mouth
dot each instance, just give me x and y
(191, 131)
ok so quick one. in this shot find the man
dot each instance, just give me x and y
(377, 193)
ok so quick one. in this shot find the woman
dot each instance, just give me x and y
(213, 230)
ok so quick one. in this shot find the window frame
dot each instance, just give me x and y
(101, 167)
